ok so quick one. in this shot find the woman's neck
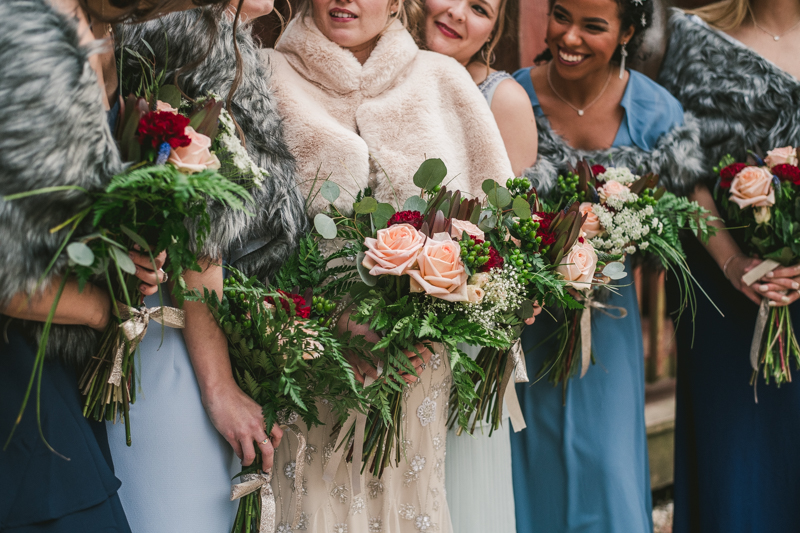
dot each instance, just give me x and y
(581, 91)
(777, 16)
(363, 51)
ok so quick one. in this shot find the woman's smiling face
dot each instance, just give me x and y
(352, 23)
(459, 28)
(583, 36)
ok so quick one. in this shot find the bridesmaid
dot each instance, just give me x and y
(734, 64)
(364, 106)
(583, 466)
(52, 75)
(165, 488)
(478, 482)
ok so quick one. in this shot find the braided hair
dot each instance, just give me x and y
(636, 13)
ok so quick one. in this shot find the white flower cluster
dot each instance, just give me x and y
(619, 199)
(626, 229)
(504, 295)
(620, 174)
(240, 158)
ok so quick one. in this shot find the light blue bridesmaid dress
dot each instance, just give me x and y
(583, 467)
(176, 475)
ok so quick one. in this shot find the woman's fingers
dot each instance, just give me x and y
(248, 452)
(784, 272)
(780, 299)
(779, 284)
(276, 435)
(151, 277)
(530, 321)
(267, 453)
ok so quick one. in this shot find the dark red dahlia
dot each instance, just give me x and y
(301, 308)
(495, 261)
(407, 217)
(787, 173)
(727, 174)
(547, 238)
(598, 169)
(545, 219)
(159, 127)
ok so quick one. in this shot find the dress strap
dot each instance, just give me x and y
(489, 85)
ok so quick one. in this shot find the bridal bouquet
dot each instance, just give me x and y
(623, 214)
(763, 196)
(433, 272)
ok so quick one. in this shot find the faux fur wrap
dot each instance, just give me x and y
(401, 106)
(676, 158)
(742, 101)
(53, 131)
(183, 38)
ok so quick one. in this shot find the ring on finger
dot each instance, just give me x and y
(265, 441)
(163, 273)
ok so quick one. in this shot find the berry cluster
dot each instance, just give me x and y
(569, 185)
(519, 187)
(323, 308)
(522, 264)
(646, 198)
(528, 232)
(479, 255)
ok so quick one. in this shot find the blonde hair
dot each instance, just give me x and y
(725, 15)
(304, 10)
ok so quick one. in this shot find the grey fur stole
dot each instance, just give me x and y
(676, 158)
(257, 245)
(53, 131)
(742, 101)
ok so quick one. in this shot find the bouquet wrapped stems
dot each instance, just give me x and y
(777, 349)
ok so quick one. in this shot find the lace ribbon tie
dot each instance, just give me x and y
(586, 327)
(251, 483)
(134, 328)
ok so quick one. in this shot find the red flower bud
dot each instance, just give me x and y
(407, 217)
(159, 127)
(728, 173)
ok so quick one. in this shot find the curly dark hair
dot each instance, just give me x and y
(636, 13)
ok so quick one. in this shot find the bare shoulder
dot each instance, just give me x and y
(510, 98)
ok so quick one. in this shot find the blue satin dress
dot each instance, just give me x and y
(583, 467)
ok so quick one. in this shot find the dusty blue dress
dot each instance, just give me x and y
(583, 467)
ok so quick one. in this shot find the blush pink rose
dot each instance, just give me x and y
(752, 187)
(475, 294)
(196, 157)
(579, 265)
(591, 227)
(781, 156)
(393, 250)
(441, 272)
(458, 227)
(613, 189)
(163, 106)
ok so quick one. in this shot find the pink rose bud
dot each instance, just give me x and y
(591, 227)
(458, 227)
(579, 265)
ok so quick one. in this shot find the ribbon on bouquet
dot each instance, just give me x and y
(134, 328)
(515, 364)
(586, 327)
(261, 481)
(360, 420)
(749, 278)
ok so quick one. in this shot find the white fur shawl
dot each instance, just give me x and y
(401, 106)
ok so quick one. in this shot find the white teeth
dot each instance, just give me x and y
(570, 58)
(340, 15)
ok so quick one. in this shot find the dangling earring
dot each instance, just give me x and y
(488, 60)
(623, 53)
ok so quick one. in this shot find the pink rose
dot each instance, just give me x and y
(458, 227)
(441, 272)
(613, 189)
(753, 187)
(781, 156)
(591, 227)
(163, 106)
(475, 294)
(579, 265)
(196, 157)
(393, 251)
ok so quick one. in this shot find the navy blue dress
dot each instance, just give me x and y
(41, 492)
(583, 467)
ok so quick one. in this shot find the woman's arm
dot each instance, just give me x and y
(514, 116)
(735, 264)
(235, 415)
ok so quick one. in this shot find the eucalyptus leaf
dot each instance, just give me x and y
(366, 206)
(521, 208)
(526, 310)
(170, 94)
(415, 203)
(431, 174)
(487, 221)
(325, 226)
(382, 215)
(363, 271)
(330, 191)
(123, 260)
(489, 185)
(499, 197)
(615, 270)
(80, 254)
(135, 237)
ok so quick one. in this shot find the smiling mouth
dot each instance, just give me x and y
(340, 15)
(570, 58)
(447, 31)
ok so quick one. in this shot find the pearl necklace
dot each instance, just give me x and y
(580, 111)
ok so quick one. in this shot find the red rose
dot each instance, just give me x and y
(301, 308)
(727, 174)
(547, 238)
(159, 127)
(787, 173)
(544, 219)
(598, 169)
(407, 217)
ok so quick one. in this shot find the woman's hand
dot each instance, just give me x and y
(151, 277)
(737, 267)
(781, 285)
(239, 419)
(537, 309)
